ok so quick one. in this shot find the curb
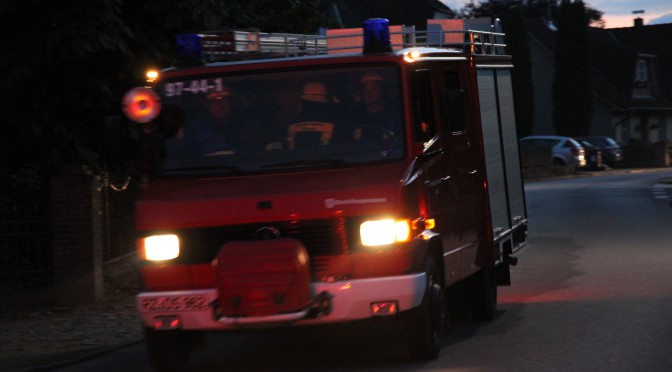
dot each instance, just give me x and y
(93, 354)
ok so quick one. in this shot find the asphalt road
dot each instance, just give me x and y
(592, 292)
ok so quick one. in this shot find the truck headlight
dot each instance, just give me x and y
(384, 232)
(159, 247)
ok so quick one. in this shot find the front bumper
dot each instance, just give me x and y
(348, 301)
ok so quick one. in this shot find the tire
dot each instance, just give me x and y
(168, 350)
(425, 325)
(482, 294)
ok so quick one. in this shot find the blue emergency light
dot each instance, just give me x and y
(377, 36)
(189, 50)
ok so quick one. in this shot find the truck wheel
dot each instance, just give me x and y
(168, 350)
(426, 324)
(482, 294)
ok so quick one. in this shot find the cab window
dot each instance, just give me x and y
(423, 106)
(454, 104)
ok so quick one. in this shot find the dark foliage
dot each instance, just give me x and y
(572, 89)
(513, 14)
(547, 9)
(572, 92)
(292, 16)
(523, 90)
(66, 65)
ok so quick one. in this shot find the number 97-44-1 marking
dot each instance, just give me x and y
(202, 86)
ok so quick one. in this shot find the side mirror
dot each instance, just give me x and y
(171, 121)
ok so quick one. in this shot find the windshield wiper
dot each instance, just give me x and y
(306, 163)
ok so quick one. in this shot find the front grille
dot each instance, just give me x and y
(320, 237)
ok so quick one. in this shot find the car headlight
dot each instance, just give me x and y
(384, 232)
(159, 247)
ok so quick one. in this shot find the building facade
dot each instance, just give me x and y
(631, 81)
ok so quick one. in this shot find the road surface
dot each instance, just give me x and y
(592, 292)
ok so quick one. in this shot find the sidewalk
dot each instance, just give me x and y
(33, 338)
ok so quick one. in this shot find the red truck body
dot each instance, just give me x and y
(371, 219)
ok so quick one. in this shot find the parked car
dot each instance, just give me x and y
(594, 158)
(612, 153)
(564, 150)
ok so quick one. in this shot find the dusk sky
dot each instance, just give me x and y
(617, 13)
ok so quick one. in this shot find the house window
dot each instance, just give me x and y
(643, 84)
(635, 128)
(654, 130)
(642, 73)
(620, 132)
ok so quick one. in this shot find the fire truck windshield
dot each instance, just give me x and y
(281, 120)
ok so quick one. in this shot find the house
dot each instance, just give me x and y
(631, 80)
(649, 112)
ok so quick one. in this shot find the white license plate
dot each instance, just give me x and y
(173, 303)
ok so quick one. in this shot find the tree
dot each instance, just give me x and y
(50, 72)
(65, 67)
(523, 89)
(53, 64)
(512, 14)
(68, 63)
(572, 92)
(293, 16)
(71, 68)
(547, 9)
(572, 57)
(502, 8)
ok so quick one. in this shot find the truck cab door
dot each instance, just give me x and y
(459, 123)
(453, 179)
(438, 170)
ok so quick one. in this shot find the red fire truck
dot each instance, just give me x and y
(296, 180)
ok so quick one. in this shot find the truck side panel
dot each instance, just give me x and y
(493, 150)
(505, 184)
(510, 146)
